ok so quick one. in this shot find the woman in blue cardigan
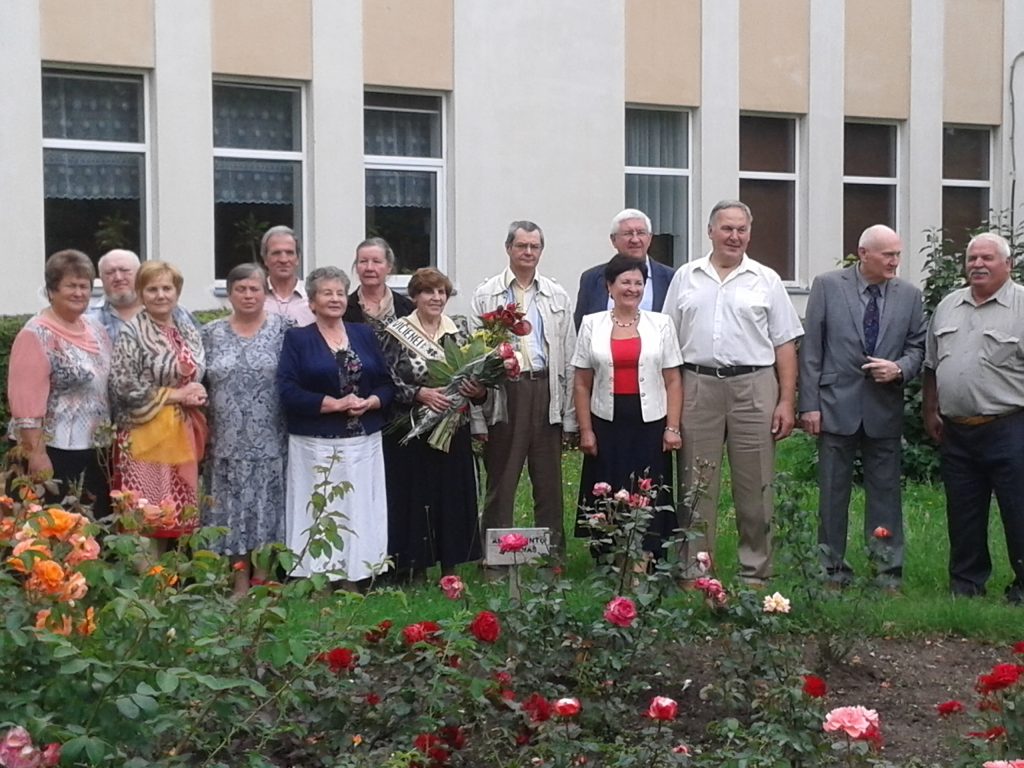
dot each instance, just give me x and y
(334, 387)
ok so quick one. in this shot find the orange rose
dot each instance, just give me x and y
(47, 577)
(74, 588)
(87, 625)
(7, 528)
(59, 524)
(6, 502)
(18, 563)
(82, 548)
(166, 578)
(43, 622)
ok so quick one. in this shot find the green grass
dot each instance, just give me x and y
(924, 607)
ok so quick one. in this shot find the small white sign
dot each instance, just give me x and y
(539, 546)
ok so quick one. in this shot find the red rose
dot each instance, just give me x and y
(645, 483)
(567, 707)
(537, 707)
(1001, 676)
(485, 627)
(947, 708)
(873, 736)
(431, 746)
(662, 708)
(522, 328)
(379, 633)
(372, 699)
(814, 686)
(422, 632)
(453, 736)
(991, 734)
(506, 351)
(512, 542)
(1018, 647)
(620, 611)
(881, 532)
(340, 659)
(503, 678)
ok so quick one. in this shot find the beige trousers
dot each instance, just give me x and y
(736, 413)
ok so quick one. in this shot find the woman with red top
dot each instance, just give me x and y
(628, 395)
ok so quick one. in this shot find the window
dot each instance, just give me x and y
(658, 178)
(966, 182)
(257, 167)
(768, 175)
(404, 156)
(94, 162)
(869, 180)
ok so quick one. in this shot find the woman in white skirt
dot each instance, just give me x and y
(334, 385)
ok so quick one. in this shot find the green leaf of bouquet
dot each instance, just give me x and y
(167, 680)
(127, 707)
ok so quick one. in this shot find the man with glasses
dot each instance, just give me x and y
(525, 421)
(120, 302)
(630, 236)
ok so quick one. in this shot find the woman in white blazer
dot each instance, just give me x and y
(628, 395)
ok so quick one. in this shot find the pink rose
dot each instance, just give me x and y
(506, 351)
(452, 587)
(601, 490)
(881, 532)
(645, 484)
(621, 495)
(568, 707)
(512, 542)
(1003, 764)
(855, 722)
(704, 562)
(620, 611)
(662, 708)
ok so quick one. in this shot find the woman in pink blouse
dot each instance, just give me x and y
(57, 383)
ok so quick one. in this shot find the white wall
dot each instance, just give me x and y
(538, 127)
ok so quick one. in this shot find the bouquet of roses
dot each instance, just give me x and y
(488, 358)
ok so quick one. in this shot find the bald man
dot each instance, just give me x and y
(864, 340)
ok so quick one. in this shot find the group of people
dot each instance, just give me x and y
(654, 372)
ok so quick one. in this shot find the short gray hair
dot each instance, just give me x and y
(118, 252)
(244, 271)
(377, 242)
(723, 205)
(280, 229)
(322, 275)
(630, 213)
(526, 226)
(1000, 242)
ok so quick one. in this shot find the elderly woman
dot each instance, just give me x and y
(57, 383)
(373, 302)
(432, 512)
(628, 394)
(245, 467)
(155, 385)
(334, 383)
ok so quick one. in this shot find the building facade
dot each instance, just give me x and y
(182, 128)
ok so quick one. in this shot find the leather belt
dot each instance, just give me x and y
(533, 375)
(725, 371)
(977, 421)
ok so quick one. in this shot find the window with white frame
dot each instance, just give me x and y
(404, 157)
(257, 167)
(768, 178)
(966, 181)
(869, 180)
(94, 161)
(658, 178)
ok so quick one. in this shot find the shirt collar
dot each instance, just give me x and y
(1002, 296)
(508, 278)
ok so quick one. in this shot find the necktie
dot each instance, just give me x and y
(871, 319)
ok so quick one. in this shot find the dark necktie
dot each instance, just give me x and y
(871, 319)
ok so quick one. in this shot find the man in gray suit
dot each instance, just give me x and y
(864, 340)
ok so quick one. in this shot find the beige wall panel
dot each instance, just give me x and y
(263, 38)
(774, 55)
(663, 44)
(974, 62)
(878, 58)
(117, 33)
(409, 43)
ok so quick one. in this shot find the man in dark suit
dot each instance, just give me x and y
(864, 340)
(630, 236)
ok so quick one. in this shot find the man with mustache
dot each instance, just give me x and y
(974, 409)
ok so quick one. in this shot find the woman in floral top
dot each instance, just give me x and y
(57, 385)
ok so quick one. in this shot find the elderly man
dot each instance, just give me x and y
(864, 339)
(630, 236)
(286, 295)
(737, 330)
(974, 409)
(120, 302)
(524, 421)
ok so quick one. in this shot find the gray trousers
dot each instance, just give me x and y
(882, 458)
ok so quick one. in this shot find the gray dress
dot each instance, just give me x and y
(245, 463)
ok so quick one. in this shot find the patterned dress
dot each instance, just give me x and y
(432, 495)
(245, 464)
(149, 360)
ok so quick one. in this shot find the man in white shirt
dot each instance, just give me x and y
(524, 421)
(737, 331)
(286, 295)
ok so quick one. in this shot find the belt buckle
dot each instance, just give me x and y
(719, 374)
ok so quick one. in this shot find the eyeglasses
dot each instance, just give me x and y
(638, 233)
(528, 247)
